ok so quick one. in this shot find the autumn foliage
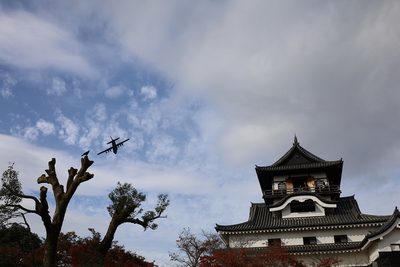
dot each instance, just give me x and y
(274, 256)
(81, 252)
(72, 251)
(271, 256)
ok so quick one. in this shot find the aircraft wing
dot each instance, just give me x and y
(106, 151)
(122, 143)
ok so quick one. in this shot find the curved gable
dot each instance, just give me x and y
(307, 205)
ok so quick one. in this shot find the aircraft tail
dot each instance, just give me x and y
(112, 140)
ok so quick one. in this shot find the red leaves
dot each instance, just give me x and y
(76, 251)
(271, 256)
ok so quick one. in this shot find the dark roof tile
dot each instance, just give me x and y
(346, 213)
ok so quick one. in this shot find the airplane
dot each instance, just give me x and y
(114, 146)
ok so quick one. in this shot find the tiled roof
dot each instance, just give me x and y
(296, 145)
(324, 247)
(300, 166)
(318, 248)
(312, 161)
(346, 214)
(389, 223)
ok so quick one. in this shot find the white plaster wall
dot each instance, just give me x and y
(373, 251)
(355, 234)
(391, 238)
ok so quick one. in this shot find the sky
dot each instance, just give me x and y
(205, 90)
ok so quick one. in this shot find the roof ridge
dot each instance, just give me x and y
(392, 219)
(296, 144)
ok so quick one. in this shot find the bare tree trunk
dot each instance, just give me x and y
(62, 198)
(50, 249)
(53, 225)
(106, 243)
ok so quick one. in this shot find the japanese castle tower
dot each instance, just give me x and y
(304, 211)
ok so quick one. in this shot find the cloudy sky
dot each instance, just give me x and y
(205, 90)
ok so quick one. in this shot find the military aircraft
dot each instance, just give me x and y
(114, 146)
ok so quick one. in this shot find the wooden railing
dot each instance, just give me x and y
(317, 189)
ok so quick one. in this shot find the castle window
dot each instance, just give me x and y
(274, 241)
(395, 247)
(341, 239)
(282, 186)
(306, 206)
(320, 183)
(312, 240)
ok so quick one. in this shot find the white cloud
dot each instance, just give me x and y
(149, 92)
(285, 67)
(151, 119)
(47, 128)
(69, 130)
(31, 133)
(7, 84)
(162, 149)
(98, 112)
(57, 87)
(29, 41)
(115, 91)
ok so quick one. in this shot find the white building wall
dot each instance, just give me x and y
(361, 258)
(387, 240)
(355, 234)
(373, 251)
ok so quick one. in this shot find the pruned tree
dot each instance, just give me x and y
(12, 195)
(125, 207)
(191, 248)
(9, 198)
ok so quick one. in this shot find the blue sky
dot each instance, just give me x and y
(205, 90)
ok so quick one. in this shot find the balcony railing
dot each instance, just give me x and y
(329, 189)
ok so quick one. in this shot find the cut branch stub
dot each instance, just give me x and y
(87, 176)
(52, 168)
(51, 172)
(42, 179)
(44, 208)
(72, 172)
(85, 164)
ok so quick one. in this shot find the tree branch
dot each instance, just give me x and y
(71, 174)
(43, 208)
(21, 195)
(145, 222)
(22, 208)
(137, 221)
(82, 174)
(51, 177)
(76, 177)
